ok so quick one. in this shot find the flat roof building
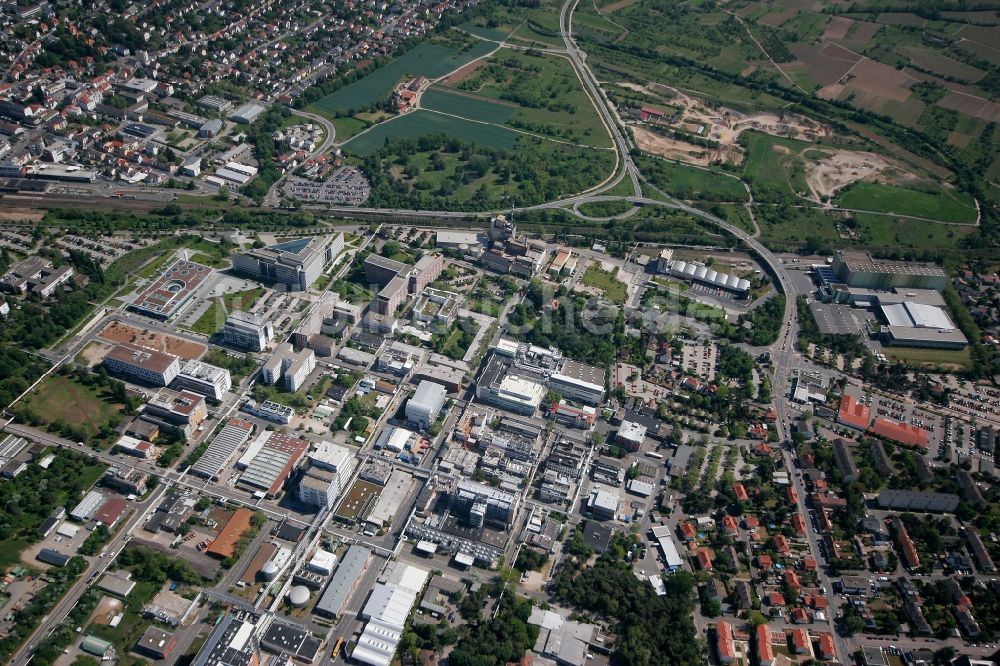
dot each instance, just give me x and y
(247, 331)
(288, 368)
(297, 263)
(177, 407)
(478, 503)
(861, 269)
(424, 406)
(171, 291)
(248, 113)
(233, 435)
(913, 500)
(143, 365)
(156, 643)
(36, 275)
(209, 380)
(343, 582)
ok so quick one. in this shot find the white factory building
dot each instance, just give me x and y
(423, 408)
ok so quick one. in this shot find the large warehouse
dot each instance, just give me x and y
(861, 269)
(913, 324)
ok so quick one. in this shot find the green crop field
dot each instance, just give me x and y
(428, 59)
(466, 105)
(944, 206)
(416, 124)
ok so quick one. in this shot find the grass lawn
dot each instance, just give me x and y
(943, 358)
(901, 232)
(943, 205)
(62, 398)
(156, 265)
(613, 289)
(10, 551)
(774, 164)
(688, 182)
(214, 262)
(215, 316)
(347, 127)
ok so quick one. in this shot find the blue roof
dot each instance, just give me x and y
(292, 246)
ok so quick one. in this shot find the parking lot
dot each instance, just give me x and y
(347, 185)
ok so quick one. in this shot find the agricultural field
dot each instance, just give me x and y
(532, 26)
(428, 59)
(416, 124)
(535, 93)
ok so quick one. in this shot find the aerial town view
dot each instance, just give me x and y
(500, 333)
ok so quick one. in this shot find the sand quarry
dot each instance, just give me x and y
(719, 124)
(840, 168)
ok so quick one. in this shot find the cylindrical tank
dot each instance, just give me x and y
(298, 596)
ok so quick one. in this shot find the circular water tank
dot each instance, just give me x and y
(269, 571)
(298, 595)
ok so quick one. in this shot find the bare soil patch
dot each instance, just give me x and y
(971, 106)
(878, 80)
(94, 353)
(119, 332)
(464, 73)
(841, 168)
(21, 215)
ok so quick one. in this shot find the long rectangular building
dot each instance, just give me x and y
(343, 582)
(233, 435)
(141, 364)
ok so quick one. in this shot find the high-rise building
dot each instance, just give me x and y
(478, 504)
(247, 331)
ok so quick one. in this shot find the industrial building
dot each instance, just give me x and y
(479, 504)
(296, 263)
(631, 436)
(208, 380)
(155, 643)
(423, 407)
(669, 549)
(579, 381)
(861, 269)
(233, 642)
(702, 274)
(143, 365)
(233, 435)
(268, 468)
(247, 331)
(385, 614)
(248, 113)
(171, 291)
(343, 582)
(287, 367)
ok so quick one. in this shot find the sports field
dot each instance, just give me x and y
(945, 206)
(428, 59)
(416, 124)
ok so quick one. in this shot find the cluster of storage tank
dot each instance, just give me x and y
(701, 273)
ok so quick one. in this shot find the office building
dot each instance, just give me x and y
(423, 407)
(209, 380)
(247, 331)
(139, 364)
(478, 504)
(270, 410)
(296, 263)
(381, 270)
(427, 269)
(631, 436)
(177, 407)
(603, 505)
(330, 468)
(391, 296)
(35, 275)
(287, 367)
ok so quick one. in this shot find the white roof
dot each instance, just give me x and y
(390, 604)
(397, 439)
(679, 266)
(928, 316)
(711, 275)
(323, 559)
(700, 272)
